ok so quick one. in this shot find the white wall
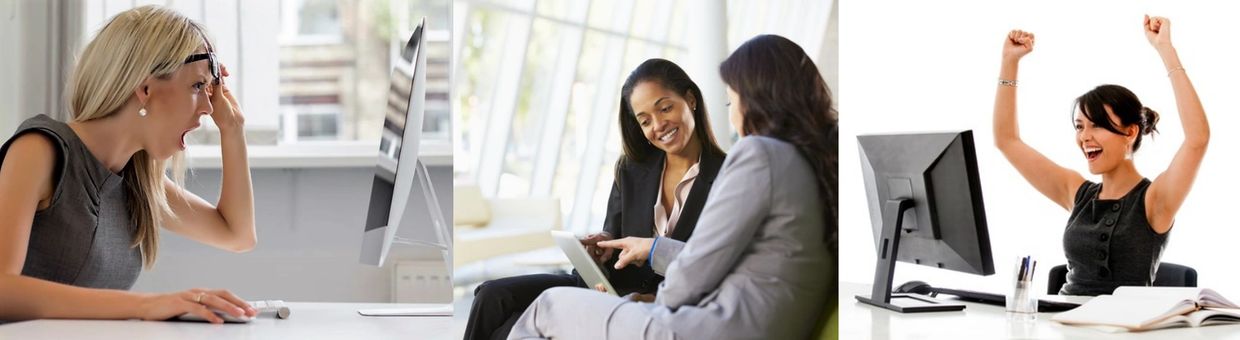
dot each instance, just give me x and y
(11, 29)
(309, 239)
(39, 39)
(918, 66)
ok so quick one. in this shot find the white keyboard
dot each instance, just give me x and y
(274, 307)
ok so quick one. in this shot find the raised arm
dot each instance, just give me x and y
(229, 224)
(1054, 181)
(1169, 189)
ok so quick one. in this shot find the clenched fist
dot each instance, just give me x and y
(1158, 31)
(1017, 45)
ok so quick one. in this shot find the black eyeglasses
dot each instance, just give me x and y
(211, 64)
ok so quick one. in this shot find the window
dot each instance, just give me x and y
(313, 70)
(539, 84)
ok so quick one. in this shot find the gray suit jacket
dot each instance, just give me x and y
(757, 266)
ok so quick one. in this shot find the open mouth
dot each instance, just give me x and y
(669, 136)
(185, 134)
(1092, 153)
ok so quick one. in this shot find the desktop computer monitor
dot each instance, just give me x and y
(925, 202)
(398, 166)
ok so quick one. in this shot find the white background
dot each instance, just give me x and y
(914, 66)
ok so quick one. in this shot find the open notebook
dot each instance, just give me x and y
(1146, 308)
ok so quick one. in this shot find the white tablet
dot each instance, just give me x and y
(581, 260)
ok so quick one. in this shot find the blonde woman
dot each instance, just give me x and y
(81, 203)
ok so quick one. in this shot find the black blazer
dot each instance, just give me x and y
(630, 213)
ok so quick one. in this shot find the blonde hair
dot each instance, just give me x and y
(134, 45)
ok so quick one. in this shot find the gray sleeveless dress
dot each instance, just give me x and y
(83, 238)
(1109, 243)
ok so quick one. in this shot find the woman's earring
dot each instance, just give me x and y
(142, 112)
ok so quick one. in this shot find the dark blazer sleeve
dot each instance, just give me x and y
(611, 223)
(624, 220)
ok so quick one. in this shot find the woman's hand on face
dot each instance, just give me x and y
(226, 111)
(1158, 32)
(198, 302)
(599, 254)
(632, 250)
(1017, 45)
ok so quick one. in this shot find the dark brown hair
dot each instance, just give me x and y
(1124, 104)
(673, 78)
(784, 97)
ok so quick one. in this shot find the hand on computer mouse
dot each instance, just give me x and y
(199, 302)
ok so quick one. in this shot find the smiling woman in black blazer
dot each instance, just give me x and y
(661, 183)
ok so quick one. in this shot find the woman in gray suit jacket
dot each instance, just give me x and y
(762, 262)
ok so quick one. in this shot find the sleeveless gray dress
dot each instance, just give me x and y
(84, 237)
(1109, 243)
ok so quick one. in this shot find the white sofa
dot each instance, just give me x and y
(489, 228)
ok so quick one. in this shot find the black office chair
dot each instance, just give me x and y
(1169, 275)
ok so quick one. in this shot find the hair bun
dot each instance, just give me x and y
(1149, 121)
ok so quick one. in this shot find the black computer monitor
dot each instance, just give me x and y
(925, 202)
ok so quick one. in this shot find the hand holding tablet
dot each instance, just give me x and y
(581, 260)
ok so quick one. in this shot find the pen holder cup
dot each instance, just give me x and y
(1023, 298)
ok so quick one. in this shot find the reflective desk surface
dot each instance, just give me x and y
(306, 321)
(983, 321)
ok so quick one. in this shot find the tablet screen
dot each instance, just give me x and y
(581, 260)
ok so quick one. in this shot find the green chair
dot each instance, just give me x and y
(829, 325)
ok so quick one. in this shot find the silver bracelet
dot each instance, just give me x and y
(1006, 82)
(1177, 68)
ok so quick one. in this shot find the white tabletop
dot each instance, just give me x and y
(982, 321)
(306, 321)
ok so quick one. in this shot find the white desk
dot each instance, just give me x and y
(982, 321)
(307, 321)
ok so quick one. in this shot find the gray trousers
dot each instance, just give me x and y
(578, 313)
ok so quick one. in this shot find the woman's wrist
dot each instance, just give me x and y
(135, 304)
(1171, 61)
(227, 131)
(232, 136)
(650, 253)
(1010, 62)
(1168, 54)
(1008, 70)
